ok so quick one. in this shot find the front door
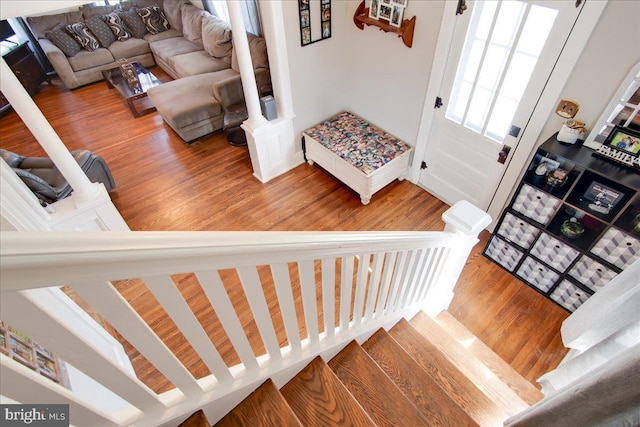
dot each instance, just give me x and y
(499, 60)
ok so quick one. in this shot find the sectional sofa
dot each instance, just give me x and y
(191, 45)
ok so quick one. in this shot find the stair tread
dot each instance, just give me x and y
(469, 365)
(318, 398)
(416, 384)
(265, 407)
(373, 389)
(527, 391)
(197, 419)
(471, 399)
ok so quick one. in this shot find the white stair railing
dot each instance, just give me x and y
(356, 282)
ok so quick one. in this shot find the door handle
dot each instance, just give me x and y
(502, 155)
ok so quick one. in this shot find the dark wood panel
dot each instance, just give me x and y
(166, 184)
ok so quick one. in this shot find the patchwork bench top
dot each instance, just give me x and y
(357, 141)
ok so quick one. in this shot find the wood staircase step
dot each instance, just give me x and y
(197, 419)
(265, 407)
(318, 398)
(462, 390)
(469, 365)
(418, 386)
(527, 391)
(374, 390)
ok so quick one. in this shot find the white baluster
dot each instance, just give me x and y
(219, 300)
(346, 289)
(361, 288)
(172, 301)
(258, 303)
(308, 290)
(387, 275)
(280, 273)
(374, 284)
(328, 295)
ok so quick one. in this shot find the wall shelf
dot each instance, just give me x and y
(405, 31)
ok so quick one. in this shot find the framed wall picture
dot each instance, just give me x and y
(373, 9)
(305, 22)
(384, 12)
(315, 20)
(396, 15)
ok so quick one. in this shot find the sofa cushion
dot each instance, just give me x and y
(116, 25)
(63, 40)
(40, 24)
(85, 59)
(199, 62)
(154, 19)
(89, 10)
(258, 52)
(170, 33)
(172, 10)
(216, 37)
(165, 49)
(192, 23)
(134, 23)
(128, 4)
(83, 36)
(196, 103)
(101, 30)
(129, 48)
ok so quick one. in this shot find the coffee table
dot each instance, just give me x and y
(131, 94)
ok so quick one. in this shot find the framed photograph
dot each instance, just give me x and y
(374, 8)
(384, 12)
(624, 139)
(326, 29)
(396, 15)
(306, 36)
(304, 18)
(402, 3)
(603, 199)
(386, 2)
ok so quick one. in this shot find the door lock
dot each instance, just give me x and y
(502, 155)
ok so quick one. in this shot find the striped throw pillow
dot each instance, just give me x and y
(83, 35)
(154, 19)
(117, 26)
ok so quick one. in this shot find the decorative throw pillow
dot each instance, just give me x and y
(134, 23)
(67, 44)
(83, 35)
(216, 37)
(101, 30)
(117, 27)
(154, 19)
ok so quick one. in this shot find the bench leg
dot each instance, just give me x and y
(311, 162)
(365, 199)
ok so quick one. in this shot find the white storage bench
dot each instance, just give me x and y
(362, 156)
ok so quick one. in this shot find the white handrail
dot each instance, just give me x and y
(388, 275)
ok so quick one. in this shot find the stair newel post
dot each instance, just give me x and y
(466, 221)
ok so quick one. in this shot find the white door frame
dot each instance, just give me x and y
(521, 155)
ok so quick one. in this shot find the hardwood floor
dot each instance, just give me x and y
(166, 184)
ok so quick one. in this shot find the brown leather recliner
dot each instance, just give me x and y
(45, 180)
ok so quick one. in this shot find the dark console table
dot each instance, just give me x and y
(567, 234)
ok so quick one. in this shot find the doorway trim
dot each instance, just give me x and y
(578, 39)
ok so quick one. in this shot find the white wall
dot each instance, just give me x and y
(613, 48)
(318, 70)
(368, 72)
(387, 81)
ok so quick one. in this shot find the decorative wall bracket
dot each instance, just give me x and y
(405, 31)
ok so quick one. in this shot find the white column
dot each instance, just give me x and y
(273, 25)
(241, 46)
(84, 189)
